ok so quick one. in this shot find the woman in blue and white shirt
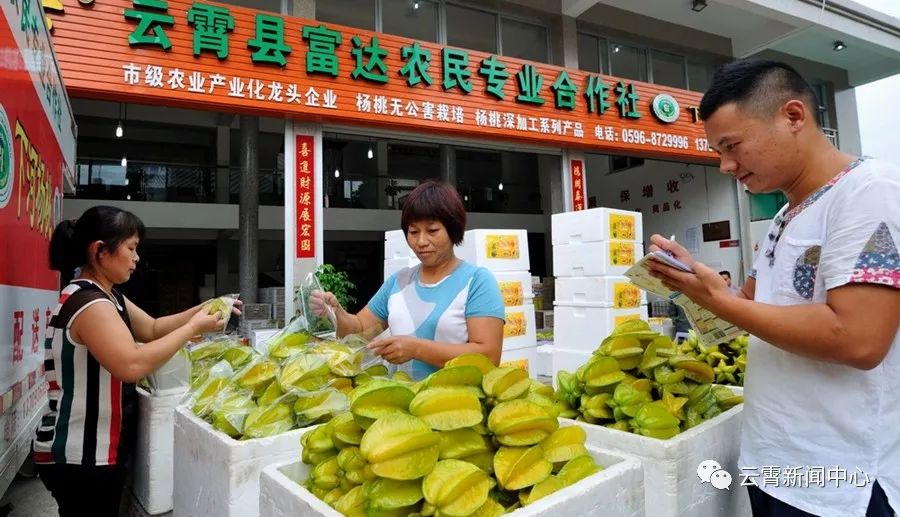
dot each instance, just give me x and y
(437, 310)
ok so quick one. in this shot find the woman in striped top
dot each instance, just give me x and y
(84, 443)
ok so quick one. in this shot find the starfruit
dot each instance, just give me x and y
(238, 356)
(502, 384)
(621, 425)
(695, 370)
(564, 410)
(317, 445)
(272, 393)
(545, 402)
(388, 495)
(400, 446)
(462, 443)
(626, 350)
(447, 408)
(674, 404)
(725, 398)
(638, 329)
(379, 398)
(456, 488)
(335, 494)
(577, 469)
(230, 412)
(304, 371)
(345, 431)
(521, 467)
(542, 489)
(520, 422)
(664, 374)
(287, 344)
(564, 444)
(268, 421)
(401, 376)
(342, 384)
(371, 373)
(342, 360)
(541, 389)
(314, 406)
(490, 508)
(477, 360)
(355, 468)
(597, 406)
(211, 351)
(462, 375)
(628, 399)
(655, 420)
(327, 474)
(203, 403)
(602, 374)
(570, 388)
(257, 377)
(352, 503)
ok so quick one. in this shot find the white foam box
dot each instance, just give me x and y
(391, 266)
(596, 225)
(545, 360)
(583, 327)
(519, 331)
(218, 475)
(525, 358)
(671, 484)
(616, 491)
(394, 235)
(595, 258)
(152, 484)
(397, 249)
(607, 291)
(568, 360)
(497, 250)
(259, 339)
(515, 287)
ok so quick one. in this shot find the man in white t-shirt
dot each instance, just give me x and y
(821, 421)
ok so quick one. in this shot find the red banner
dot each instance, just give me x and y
(305, 202)
(577, 185)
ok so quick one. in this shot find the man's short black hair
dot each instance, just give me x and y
(725, 272)
(758, 86)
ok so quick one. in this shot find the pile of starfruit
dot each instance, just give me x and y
(471, 439)
(728, 360)
(638, 381)
(301, 381)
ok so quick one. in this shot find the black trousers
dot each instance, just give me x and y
(82, 491)
(764, 505)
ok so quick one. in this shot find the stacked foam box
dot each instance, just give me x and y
(592, 249)
(615, 490)
(218, 475)
(505, 254)
(397, 253)
(152, 484)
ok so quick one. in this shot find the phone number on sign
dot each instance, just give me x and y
(636, 136)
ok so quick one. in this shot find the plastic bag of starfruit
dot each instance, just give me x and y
(223, 304)
(218, 380)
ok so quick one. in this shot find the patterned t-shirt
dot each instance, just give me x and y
(437, 312)
(811, 415)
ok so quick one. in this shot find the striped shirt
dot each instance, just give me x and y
(92, 414)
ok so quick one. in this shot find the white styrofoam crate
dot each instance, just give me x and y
(391, 266)
(545, 360)
(615, 490)
(259, 339)
(153, 470)
(397, 249)
(596, 225)
(584, 327)
(606, 291)
(568, 360)
(394, 235)
(671, 484)
(515, 287)
(520, 330)
(218, 475)
(525, 358)
(497, 250)
(595, 258)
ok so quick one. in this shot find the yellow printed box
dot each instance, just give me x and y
(605, 291)
(497, 250)
(520, 329)
(608, 258)
(597, 225)
(515, 288)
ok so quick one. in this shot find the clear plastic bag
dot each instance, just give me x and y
(290, 340)
(223, 304)
(218, 380)
(230, 410)
(176, 373)
(317, 325)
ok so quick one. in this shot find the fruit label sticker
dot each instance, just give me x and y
(621, 253)
(515, 363)
(620, 319)
(622, 227)
(626, 295)
(516, 324)
(512, 293)
(502, 246)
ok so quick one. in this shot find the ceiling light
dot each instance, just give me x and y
(128, 197)
(119, 131)
(500, 186)
(698, 5)
(337, 173)
(124, 161)
(616, 48)
(416, 4)
(370, 154)
(465, 198)
(839, 46)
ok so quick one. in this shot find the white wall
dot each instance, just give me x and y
(709, 197)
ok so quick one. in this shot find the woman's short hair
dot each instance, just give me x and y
(435, 201)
